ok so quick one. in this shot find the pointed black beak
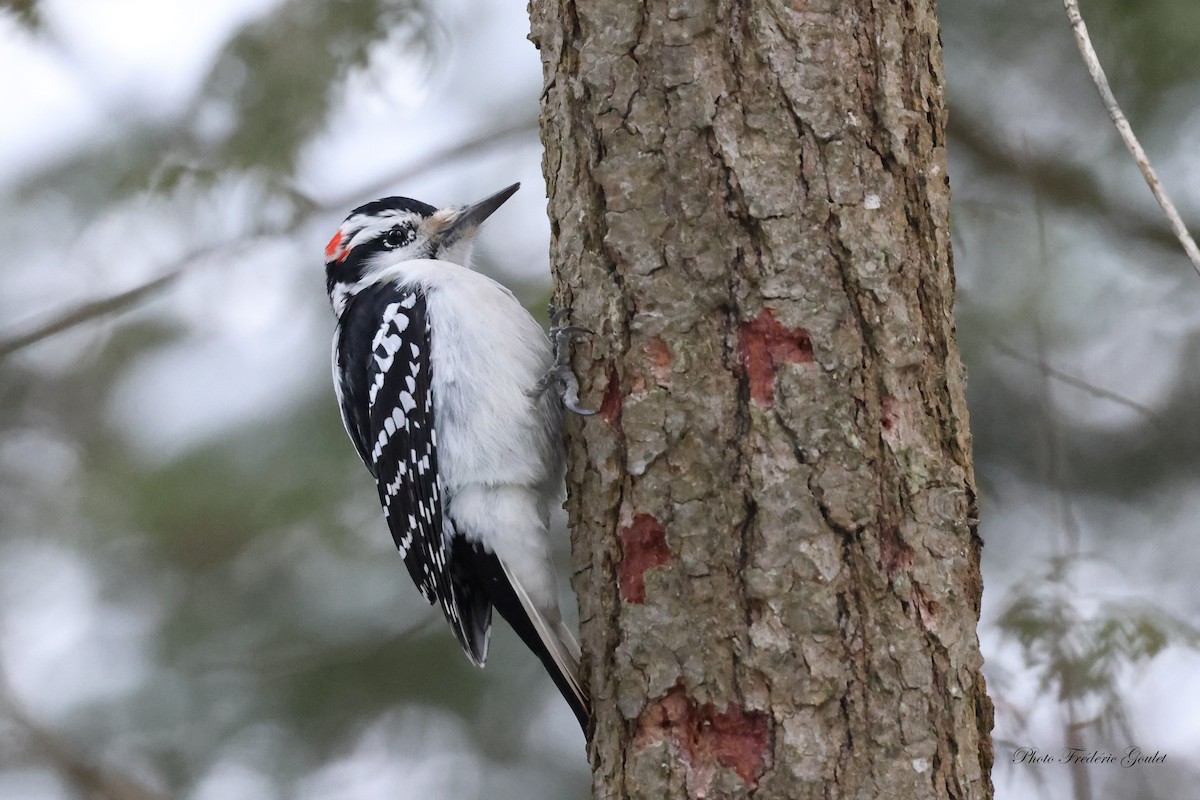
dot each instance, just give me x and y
(470, 218)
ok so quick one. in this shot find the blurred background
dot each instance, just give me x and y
(198, 597)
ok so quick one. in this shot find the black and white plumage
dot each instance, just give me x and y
(441, 375)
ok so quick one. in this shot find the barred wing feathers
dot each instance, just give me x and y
(385, 390)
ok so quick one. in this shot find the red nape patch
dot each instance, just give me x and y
(765, 344)
(705, 738)
(334, 245)
(643, 547)
(610, 406)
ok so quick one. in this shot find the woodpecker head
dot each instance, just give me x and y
(381, 234)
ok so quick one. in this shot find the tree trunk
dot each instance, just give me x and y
(773, 515)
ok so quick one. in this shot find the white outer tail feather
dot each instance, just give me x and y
(560, 643)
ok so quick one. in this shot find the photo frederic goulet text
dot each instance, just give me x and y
(1130, 757)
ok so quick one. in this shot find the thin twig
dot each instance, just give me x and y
(1079, 383)
(60, 321)
(1126, 131)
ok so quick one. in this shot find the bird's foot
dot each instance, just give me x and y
(560, 372)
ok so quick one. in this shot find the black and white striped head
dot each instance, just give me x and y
(382, 234)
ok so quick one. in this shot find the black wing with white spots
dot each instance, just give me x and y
(387, 405)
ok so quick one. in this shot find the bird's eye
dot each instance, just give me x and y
(398, 237)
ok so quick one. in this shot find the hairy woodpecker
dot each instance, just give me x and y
(443, 378)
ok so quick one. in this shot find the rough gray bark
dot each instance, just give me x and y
(773, 517)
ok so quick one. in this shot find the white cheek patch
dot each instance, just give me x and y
(371, 230)
(359, 230)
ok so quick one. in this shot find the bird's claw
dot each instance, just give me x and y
(558, 316)
(562, 333)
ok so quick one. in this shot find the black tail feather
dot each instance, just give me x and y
(486, 570)
(474, 606)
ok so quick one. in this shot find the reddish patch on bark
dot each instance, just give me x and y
(658, 353)
(894, 552)
(739, 739)
(610, 406)
(637, 385)
(887, 412)
(927, 608)
(705, 738)
(763, 345)
(643, 547)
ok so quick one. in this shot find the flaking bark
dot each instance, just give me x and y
(773, 516)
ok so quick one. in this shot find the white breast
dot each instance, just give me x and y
(488, 353)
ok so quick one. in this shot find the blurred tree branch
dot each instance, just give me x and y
(1065, 184)
(92, 781)
(298, 53)
(25, 11)
(1127, 135)
(1079, 383)
(90, 310)
(434, 160)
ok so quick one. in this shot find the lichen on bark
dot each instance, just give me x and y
(773, 516)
